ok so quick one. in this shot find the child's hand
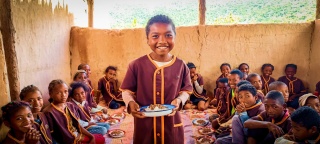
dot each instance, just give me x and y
(32, 136)
(105, 111)
(133, 108)
(176, 102)
(276, 130)
(195, 77)
(240, 108)
(289, 137)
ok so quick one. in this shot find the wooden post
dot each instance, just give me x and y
(202, 12)
(8, 32)
(90, 12)
(318, 10)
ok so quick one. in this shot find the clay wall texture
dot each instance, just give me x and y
(314, 73)
(207, 46)
(42, 43)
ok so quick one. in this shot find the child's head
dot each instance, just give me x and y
(160, 31)
(225, 69)
(305, 123)
(291, 70)
(244, 67)
(58, 91)
(234, 77)
(274, 104)
(111, 72)
(78, 91)
(86, 68)
(17, 116)
(80, 76)
(310, 100)
(223, 83)
(255, 80)
(247, 95)
(192, 68)
(281, 87)
(32, 95)
(267, 69)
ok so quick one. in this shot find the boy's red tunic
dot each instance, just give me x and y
(151, 84)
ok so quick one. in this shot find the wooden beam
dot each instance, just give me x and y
(8, 33)
(318, 10)
(202, 12)
(90, 12)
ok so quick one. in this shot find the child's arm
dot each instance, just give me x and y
(132, 106)
(255, 123)
(91, 137)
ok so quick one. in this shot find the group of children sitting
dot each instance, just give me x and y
(251, 108)
(73, 114)
(255, 108)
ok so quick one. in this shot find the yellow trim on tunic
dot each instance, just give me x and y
(177, 125)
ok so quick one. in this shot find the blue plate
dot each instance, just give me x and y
(198, 124)
(169, 107)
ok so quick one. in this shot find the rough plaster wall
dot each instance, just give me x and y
(206, 46)
(42, 43)
(3, 78)
(314, 73)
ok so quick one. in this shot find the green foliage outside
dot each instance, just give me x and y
(135, 13)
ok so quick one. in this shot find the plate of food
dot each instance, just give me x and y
(200, 122)
(118, 115)
(206, 130)
(155, 110)
(116, 133)
(112, 121)
(205, 140)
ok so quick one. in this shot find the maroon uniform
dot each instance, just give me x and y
(108, 91)
(151, 84)
(265, 83)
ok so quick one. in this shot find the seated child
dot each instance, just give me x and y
(244, 68)
(305, 127)
(32, 95)
(249, 106)
(317, 89)
(87, 69)
(18, 117)
(296, 87)
(281, 87)
(109, 88)
(78, 98)
(225, 69)
(81, 76)
(63, 117)
(270, 124)
(310, 100)
(199, 96)
(255, 80)
(266, 70)
(221, 91)
(230, 101)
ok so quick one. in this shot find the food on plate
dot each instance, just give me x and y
(156, 107)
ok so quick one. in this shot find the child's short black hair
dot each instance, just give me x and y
(225, 64)
(275, 95)
(243, 64)
(223, 80)
(160, 19)
(267, 65)
(292, 66)
(28, 89)
(11, 108)
(238, 72)
(275, 84)
(242, 82)
(250, 76)
(76, 85)
(306, 117)
(191, 65)
(248, 87)
(110, 68)
(80, 66)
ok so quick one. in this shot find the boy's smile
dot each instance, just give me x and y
(161, 39)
